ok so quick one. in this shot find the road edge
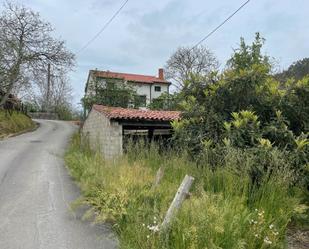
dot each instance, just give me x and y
(36, 126)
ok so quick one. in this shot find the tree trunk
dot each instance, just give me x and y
(12, 80)
(6, 95)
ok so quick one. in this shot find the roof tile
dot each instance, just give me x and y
(130, 77)
(136, 114)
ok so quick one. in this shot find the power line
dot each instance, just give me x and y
(221, 24)
(103, 28)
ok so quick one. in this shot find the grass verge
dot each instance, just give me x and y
(14, 123)
(226, 210)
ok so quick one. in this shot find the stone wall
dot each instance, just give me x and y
(44, 115)
(103, 134)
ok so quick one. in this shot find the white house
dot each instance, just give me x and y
(147, 87)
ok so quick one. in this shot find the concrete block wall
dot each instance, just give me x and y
(103, 134)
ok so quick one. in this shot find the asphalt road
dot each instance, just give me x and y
(35, 193)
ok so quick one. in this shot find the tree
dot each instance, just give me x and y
(295, 100)
(60, 94)
(27, 46)
(60, 90)
(166, 101)
(295, 104)
(297, 70)
(187, 61)
(246, 84)
(113, 92)
(246, 56)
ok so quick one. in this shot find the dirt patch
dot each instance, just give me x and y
(298, 239)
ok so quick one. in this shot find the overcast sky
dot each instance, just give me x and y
(146, 32)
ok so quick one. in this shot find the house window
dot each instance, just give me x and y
(157, 89)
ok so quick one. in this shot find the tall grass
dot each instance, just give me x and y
(14, 123)
(226, 209)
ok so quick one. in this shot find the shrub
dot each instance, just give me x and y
(244, 129)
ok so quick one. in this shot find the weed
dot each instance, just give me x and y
(14, 123)
(226, 209)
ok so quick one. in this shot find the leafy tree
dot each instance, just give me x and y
(112, 93)
(246, 56)
(295, 104)
(246, 84)
(297, 70)
(166, 101)
(245, 110)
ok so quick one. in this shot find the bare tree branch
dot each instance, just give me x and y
(26, 44)
(187, 61)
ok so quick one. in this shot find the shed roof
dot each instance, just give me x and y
(119, 113)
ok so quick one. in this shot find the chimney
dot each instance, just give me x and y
(161, 73)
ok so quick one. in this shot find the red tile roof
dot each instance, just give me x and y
(136, 114)
(130, 77)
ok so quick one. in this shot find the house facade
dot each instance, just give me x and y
(147, 87)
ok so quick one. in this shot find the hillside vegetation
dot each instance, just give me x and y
(14, 123)
(226, 209)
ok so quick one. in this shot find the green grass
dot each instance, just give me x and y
(14, 123)
(224, 211)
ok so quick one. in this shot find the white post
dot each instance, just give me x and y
(182, 193)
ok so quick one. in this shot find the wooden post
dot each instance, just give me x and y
(158, 178)
(182, 193)
(150, 134)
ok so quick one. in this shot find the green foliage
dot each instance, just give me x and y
(246, 107)
(226, 209)
(246, 85)
(166, 101)
(113, 93)
(246, 57)
(278, 132)
(32, 107)
(64, 112)
(244, 129)
(14, 123)
(243, 136)
(295, 104)
(297, 71)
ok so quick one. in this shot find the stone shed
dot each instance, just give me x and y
(106, 127)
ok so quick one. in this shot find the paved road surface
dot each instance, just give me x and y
(35, 191)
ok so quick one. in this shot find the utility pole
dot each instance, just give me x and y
(48, 87)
